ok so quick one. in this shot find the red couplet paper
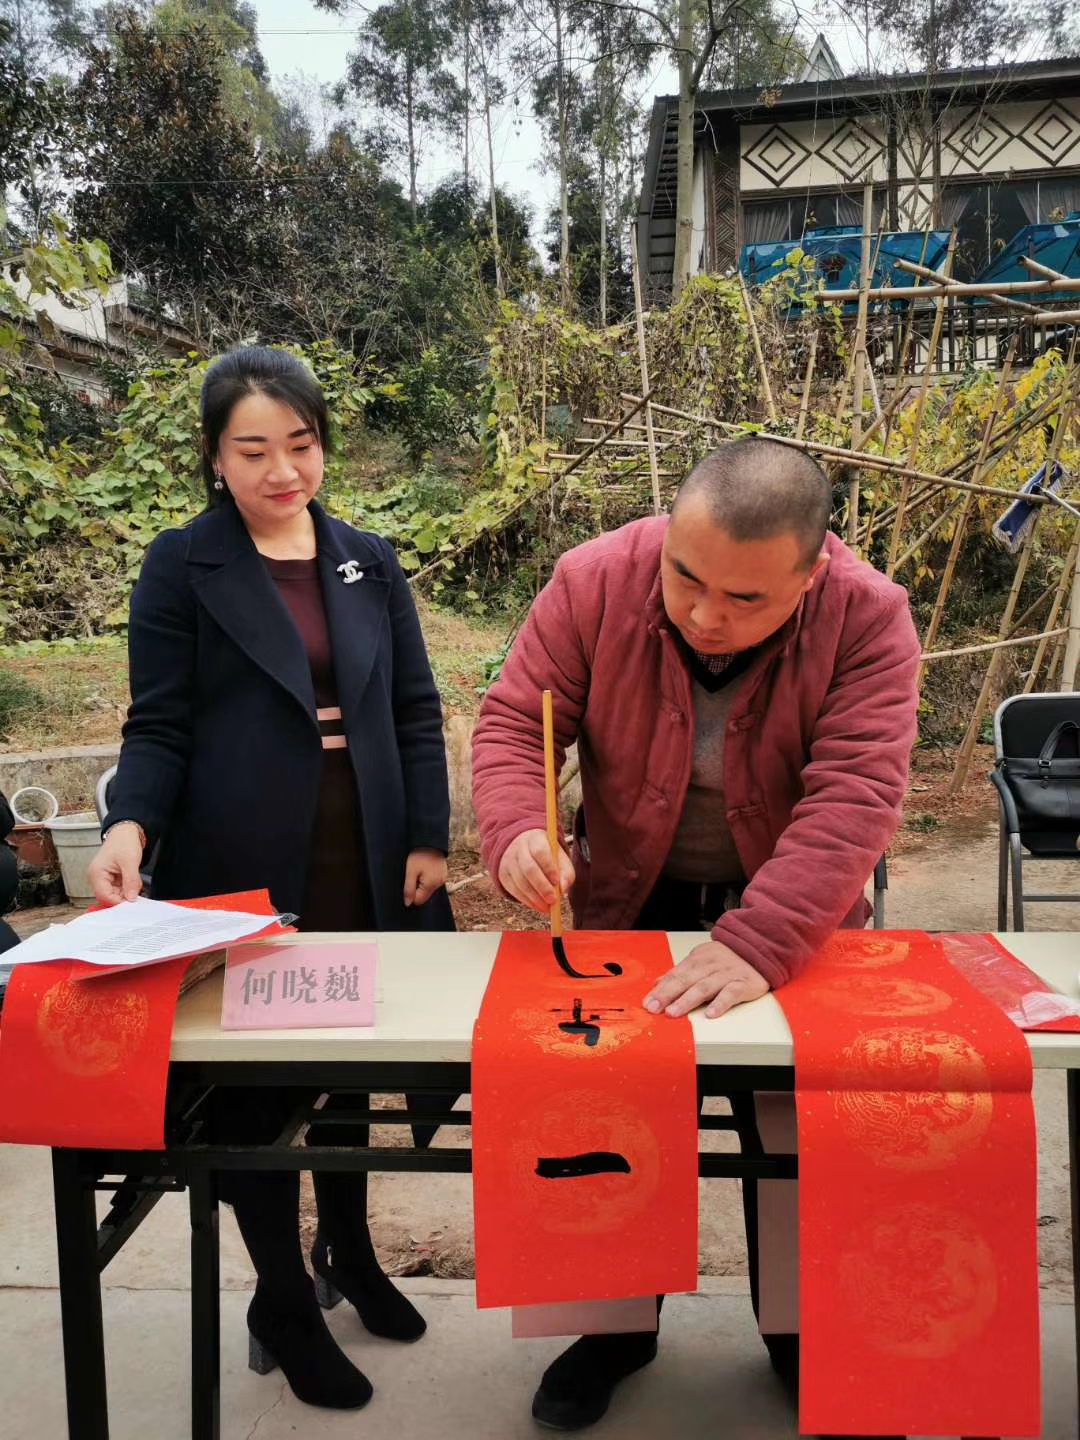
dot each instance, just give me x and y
(917, 1211)
(584, 1126)
(86, 1065)
(1028, 1001)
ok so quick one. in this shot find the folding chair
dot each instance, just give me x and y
(1022, 725)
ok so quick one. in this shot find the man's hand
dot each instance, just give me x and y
(710, 975)
(528, 872)
(425, 872)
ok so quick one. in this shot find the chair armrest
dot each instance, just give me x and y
(1008, 802)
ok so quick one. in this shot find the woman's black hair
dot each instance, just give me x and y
(255, 370)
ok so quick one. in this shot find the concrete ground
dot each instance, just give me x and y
(467, 1378)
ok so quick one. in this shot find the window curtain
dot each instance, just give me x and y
(766, 222)
(1028, 195)
(955, 203)
(1058, 198)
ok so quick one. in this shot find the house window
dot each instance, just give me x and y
(765, 221)
(988, 215)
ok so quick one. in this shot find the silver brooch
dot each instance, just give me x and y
(350, 572)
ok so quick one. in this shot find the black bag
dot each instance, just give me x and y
(1047, 789)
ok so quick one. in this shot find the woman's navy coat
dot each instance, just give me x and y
(222, 755)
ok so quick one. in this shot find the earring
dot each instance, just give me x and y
(219, 483)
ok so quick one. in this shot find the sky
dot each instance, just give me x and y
(308, 47)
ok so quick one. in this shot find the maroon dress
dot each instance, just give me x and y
(336, 889)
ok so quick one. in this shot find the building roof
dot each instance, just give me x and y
(821, 63)
(718, 111)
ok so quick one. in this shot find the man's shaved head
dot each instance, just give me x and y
(758, 489)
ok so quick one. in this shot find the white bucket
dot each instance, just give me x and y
(77, 839)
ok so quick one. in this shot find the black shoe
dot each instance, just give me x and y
(576, 1388)
(382, 1308)
(297, 1339)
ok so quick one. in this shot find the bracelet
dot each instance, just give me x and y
(118, 823)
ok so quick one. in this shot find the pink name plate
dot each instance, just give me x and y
(299, 987)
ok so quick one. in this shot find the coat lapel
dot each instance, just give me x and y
(235, 586)
(355, 607)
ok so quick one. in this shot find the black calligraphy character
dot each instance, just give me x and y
(564, 964)
(585, 1025)
(572, 1167)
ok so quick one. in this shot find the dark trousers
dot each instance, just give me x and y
(683, 905)
(9, 883)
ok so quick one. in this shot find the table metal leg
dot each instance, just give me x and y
(1072, 1080)
(205, 1307)
(80, 1300)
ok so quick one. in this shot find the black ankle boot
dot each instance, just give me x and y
(382, 1308)
(577, 1387)
(296, 1338)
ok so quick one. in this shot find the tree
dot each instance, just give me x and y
(457, 219)
(401, 66)
(623, 52)
(933, 35)
(602, 283)
(34, 120)
(168, 175)
(744, 42)
(244, 73)
(548, 49)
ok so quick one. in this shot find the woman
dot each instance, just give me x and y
(284, 732)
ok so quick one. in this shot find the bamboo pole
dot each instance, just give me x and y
(969, 500)
(968, 746)
(636, 425)
(995, 646)
(940, 275)
(1033, 607)
(640, 401)
(1068, 569)
(930, 531)
(909, 328)
(807, 382)
(770, 406)
(1044, 270)
(1072, 644)
(860, 363)
(920, 412)
(643, 362)
(868, 462)
(957, 289)
(614, 442)
(543, 395)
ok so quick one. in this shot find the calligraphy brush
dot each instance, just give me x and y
(551, 796)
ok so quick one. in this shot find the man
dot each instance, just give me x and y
(742, 692)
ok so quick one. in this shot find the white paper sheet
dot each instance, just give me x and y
(138, 932)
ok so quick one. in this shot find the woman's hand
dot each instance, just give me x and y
(114, 871)
(425, 872)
